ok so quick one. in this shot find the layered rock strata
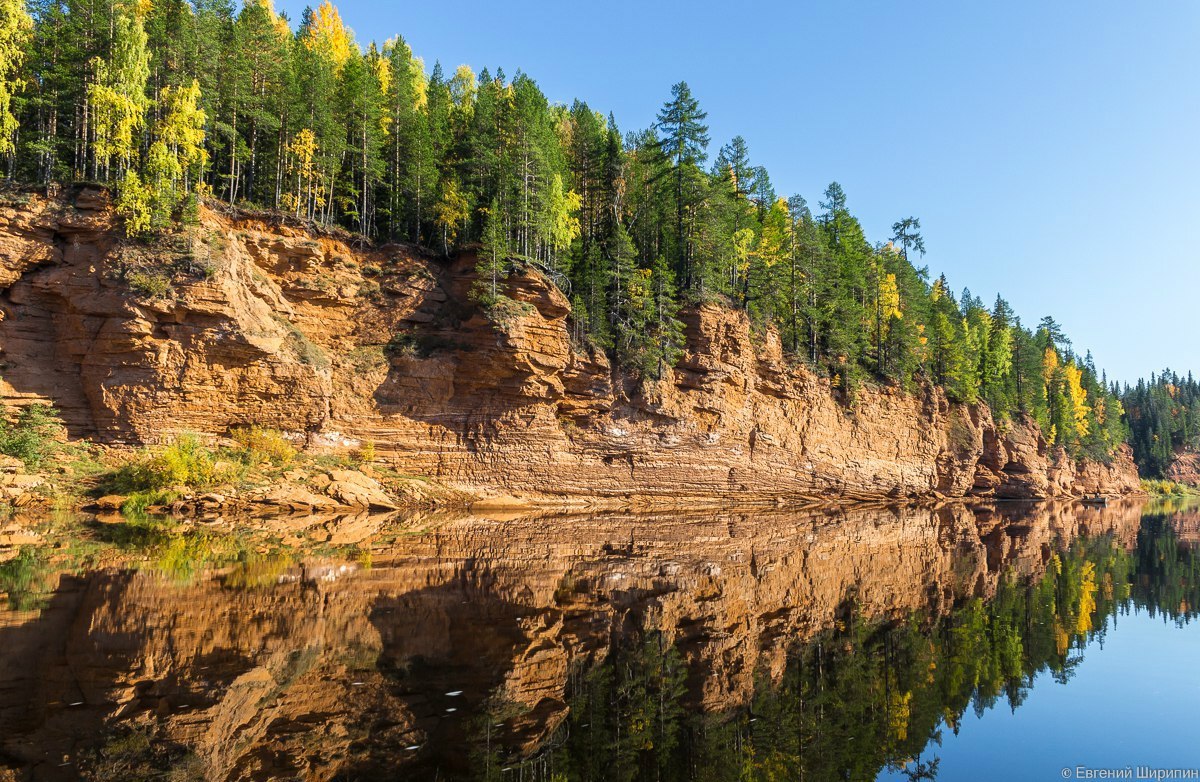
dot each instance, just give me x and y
(249, 319)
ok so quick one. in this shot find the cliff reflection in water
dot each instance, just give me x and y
(728, 646)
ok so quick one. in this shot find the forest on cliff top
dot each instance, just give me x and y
(171, 102)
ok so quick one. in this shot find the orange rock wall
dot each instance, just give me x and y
(267, 323)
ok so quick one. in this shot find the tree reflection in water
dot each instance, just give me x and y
(863, 695)
(720, 646)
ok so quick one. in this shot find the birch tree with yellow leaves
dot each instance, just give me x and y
(117, 95)
(307, 194)
(560, 222)
(177, 157)
(16, 31)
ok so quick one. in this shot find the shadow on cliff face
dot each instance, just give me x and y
(44, 335)
(462, 368)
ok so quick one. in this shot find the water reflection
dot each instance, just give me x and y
(722, 647)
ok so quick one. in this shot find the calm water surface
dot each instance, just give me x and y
(1004, 642)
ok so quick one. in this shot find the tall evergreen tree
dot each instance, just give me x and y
(684, 143)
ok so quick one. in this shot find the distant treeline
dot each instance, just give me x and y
(1163, 419)
(173, 101)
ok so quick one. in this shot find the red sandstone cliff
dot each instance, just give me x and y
(1185, 468)
(248, 320)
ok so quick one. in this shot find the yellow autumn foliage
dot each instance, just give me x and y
(1049, 364)
(1080, 410)
(463, 87)
(16, 29)
(328, 36)
(939, 290)
(1087, 598)
(282, 29)
(899, 714)
(304, 174)
(776, 231)
(117, 93)
(562, 215)
(889, 297)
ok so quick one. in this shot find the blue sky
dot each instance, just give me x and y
(1050, 150)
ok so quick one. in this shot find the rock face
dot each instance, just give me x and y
(249, 320)
(1185, 468)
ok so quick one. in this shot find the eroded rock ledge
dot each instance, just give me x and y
(247, 319)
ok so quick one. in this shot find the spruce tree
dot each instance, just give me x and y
(684, 142)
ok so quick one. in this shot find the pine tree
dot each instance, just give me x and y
(650, 333)
(493, 257)
(531, 175)
(362, 87)
(412, 166)
(845, 288)
(906, 234)
(260, 46)
(997, 362)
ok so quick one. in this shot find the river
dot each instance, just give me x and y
(1016, 641)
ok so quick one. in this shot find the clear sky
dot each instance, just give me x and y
(1050, 149)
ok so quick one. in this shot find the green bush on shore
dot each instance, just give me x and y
(157, 475)
(33, 436)
(186, 462)
(1164, 487)
(139, 502)
(261, 445)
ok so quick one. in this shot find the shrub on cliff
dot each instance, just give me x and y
(33, 436)
(150, 285)
(1164, 488)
